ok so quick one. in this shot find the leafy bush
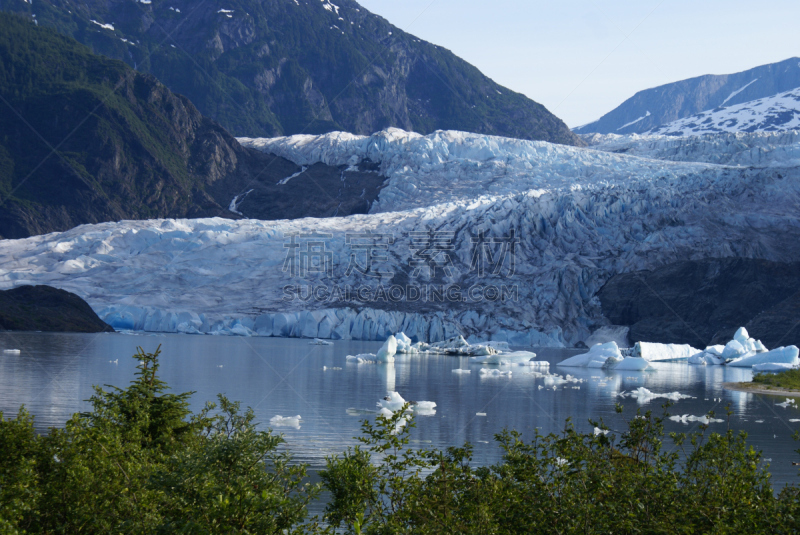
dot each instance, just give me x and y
(141, 462)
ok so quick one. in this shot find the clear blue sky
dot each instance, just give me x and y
(582, 58)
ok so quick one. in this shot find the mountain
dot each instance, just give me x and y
(476, 235)
(44, 308)
(654, 107)
(709, 295)
(771, 114)
(85, 139)
(267, 68)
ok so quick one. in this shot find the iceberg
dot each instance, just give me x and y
(595, 358)
(636, 364)
(782, 355)
(643, 395)
(773, 367)
(387, 350)
(319, 342)
(514, 357)
(285, 421)
(494, 372)
(687, 418)
(653, 352)
(393, 402)
(363, 358)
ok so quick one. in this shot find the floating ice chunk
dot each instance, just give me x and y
(686, 418)
(598, 431)
(643, 395)
(12, 351)
(320, 342)
(772, 367)
(461, 371)
(361, 358)
(794, 420)
(629, 364)
(387, 350)
(595, 358)
(486, 372)
(535, 363)
(504, 358)
(741, 336)
(733, 349)
(653, 352)
(393, 402)
(781, 355)
(285, 421)
(404, 344)
(785, 404)
(480, 414)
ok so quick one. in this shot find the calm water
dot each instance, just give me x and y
(54, 374)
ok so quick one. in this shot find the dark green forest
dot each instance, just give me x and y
(141, 462)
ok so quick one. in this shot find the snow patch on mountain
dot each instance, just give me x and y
(642, 118)
(772, 114)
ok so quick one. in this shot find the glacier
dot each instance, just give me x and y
(578, 215)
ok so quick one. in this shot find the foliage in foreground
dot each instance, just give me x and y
(141, 462)
(788, 379)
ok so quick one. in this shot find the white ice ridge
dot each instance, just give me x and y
(746, 352)
(757, 149)
(581, 215)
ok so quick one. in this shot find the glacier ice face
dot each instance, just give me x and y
(580, 215)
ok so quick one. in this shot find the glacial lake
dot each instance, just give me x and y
(54, 373)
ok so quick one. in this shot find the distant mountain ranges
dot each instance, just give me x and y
(747, 101)
(265, 68)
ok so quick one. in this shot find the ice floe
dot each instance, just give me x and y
(319, 342)
(285, 421)
(688, 418)
(393, 402)
(643, 395)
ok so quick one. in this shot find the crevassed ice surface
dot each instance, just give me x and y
(581, 215)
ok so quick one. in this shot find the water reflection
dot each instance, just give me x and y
(55, 372)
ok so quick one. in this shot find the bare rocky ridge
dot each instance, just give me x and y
(704, 302)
